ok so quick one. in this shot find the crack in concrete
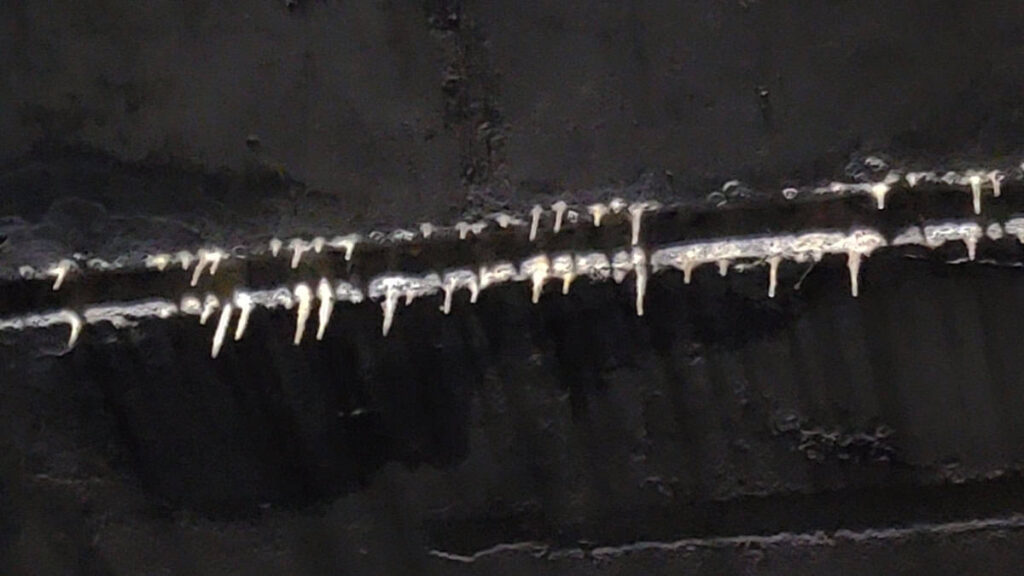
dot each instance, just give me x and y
(791, 539)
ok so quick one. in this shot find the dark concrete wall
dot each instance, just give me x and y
(573, 422)
(391, 112)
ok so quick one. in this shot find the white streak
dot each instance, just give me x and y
(853, 263)
(723, 267)
(305, 298)
(687, 266)
(597, 212)
(972, 178)
(417, 287)
(536, 269)
(245, 305)
(74, 321)
(59, 271)
(975, 182)
(210, 304)
(389, 305)
(464, 229)
(185, 258)
(391, 287)
(559, 208)
(211, 258)
(617, 205)
(222, 329)
(446, 307)
(636, 211)
(65, 316)
(771, 249)
(640, 269)
(995, 178)
(879, 190)
(275, 246)
(215, 259)
(562, 266)
(773, 274)
(325, 293)
(860, 244)
(128, 314)
(298, 246)
(200, 265)
(459, 279)
(426, 229)
(967, 232)
(346, 243)
(535, 213)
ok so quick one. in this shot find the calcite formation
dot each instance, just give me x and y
(634, 257)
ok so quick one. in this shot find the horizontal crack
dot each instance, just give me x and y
(910, 197)
(391, 288)
(789, 539)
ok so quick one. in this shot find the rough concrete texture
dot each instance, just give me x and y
(761, 91)
(569, 424)
(350, 115)
(721, 418)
